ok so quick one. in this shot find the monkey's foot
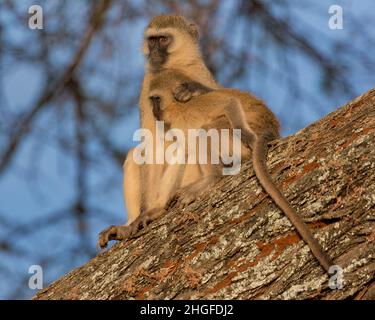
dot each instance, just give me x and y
(184, 196)
(191, 192)
(114, 233)
(120, 233)
(189, 198)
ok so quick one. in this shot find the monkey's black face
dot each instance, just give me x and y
(156, 107)
(158, 48)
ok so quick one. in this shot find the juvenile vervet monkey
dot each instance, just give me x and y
(170, 41)
(171, 44)
(243, 111)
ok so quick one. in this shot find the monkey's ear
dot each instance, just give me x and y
(194, 30)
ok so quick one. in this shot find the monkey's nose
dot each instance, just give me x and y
(156, 108)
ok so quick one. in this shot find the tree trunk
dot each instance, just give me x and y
(234, 243)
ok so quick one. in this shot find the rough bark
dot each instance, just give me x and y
(234, 243)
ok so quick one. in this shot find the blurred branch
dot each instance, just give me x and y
(283, 34)
(24, 126)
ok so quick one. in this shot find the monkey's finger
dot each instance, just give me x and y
(104, 236)
(113, 233)
(188, 197)
(146, 221)
(184, 96)
(134, 227)
(172, 202)
(102, 243)
(123, 232)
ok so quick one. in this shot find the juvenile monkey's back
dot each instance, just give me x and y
(258, 115)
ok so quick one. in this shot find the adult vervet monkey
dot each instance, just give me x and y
(169, 42)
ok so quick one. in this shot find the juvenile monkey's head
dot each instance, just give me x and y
(170, 40)
(164, 106)
(160, 93)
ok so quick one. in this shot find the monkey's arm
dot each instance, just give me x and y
(186, 90)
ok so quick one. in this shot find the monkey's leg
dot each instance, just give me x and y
(133, 201)
(185, 91)
(170, 182)
(191, 192)
(132, 187)
(199, 177)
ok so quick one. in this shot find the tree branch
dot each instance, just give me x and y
(234, 243)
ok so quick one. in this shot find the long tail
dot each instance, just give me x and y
(260, 150)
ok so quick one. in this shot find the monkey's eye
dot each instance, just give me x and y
(152, 40)
(163, 40)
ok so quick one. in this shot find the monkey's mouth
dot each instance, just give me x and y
(157, 58)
